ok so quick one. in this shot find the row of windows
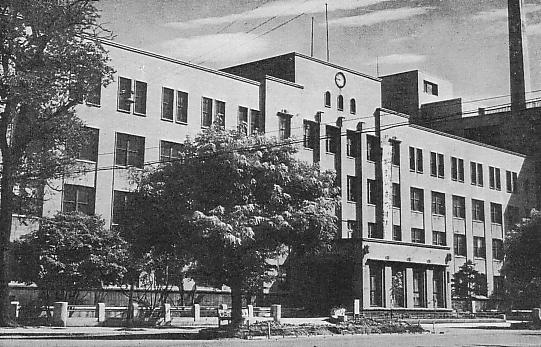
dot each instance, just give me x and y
(82, 199)
(132, 97)
(340, 103)
(479, 247)
(417, 201)
(438, 238)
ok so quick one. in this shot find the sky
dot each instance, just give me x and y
(462, 41)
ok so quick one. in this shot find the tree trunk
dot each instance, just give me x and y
(6, 192)
(236, 303)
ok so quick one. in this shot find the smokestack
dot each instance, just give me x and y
(518, 55)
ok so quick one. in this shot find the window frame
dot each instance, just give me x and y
(87, 207)
(459, 245)
(372, 142)
(371, 192)
(310, 134)
(168, 104)
(332, 139)
(139, 152)
(479, 247)
(418, 235)
(206, 112)
(478, 210)
(284, 126)
(459, 207)
(352, 106)
(327, 99)
(439, 238)
(396, 196)
(438, 203)
(352, 191)
(496, 213)
(416, 199)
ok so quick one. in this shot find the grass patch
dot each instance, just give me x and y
(359, 326)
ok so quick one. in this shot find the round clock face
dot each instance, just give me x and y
(340, 80)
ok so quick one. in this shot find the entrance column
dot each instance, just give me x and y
(387, 285)
(430, 288)
(409, 287)
(366, 286)
(447, 286)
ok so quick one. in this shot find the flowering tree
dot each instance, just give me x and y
(230, 203)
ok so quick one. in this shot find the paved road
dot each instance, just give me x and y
(471, 337)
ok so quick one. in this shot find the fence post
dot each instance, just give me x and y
(60, 314)
(166, 314)
(250, 312)
(100, 312)
(196, 311)
(14, 309)
(276, 313)
(356, 307)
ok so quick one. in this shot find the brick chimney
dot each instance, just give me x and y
(519, 70)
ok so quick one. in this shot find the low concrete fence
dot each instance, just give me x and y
(64, 314)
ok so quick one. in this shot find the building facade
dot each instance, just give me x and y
(416, 203)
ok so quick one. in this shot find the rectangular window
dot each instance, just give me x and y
(332, 137)
(125, 97)
(479, 250)
(89, 150)
(182, 107)
(168, 99)
(496, 213)
(478, 210)
(372, 145)
(439, 238)
(243, 120)
(476, 174)
(430, 88)
(433, 164)
(416, 159)
(170, 151)
(417, 199)
(457, 169)
(310, 137)
(257, 122)
(395, 153)
(130, 150)
(460, 244)
(417, 235)
(206, 112)
(220, 113)
(78, 199)
(438, 203)
(121, 201)
(511, 180)
(396, 195)
(140, 98)
(353, 229)
(352, 189)
(397, 233)
(494, 178)
(284, 126)
(371, 192)
(459, 207)
(374, 232)
(353, 144)
(497, 249)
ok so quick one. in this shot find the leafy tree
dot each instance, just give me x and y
(231, 203)
(522, 264)
(468, 283)
(69, 253)
(50, 59)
